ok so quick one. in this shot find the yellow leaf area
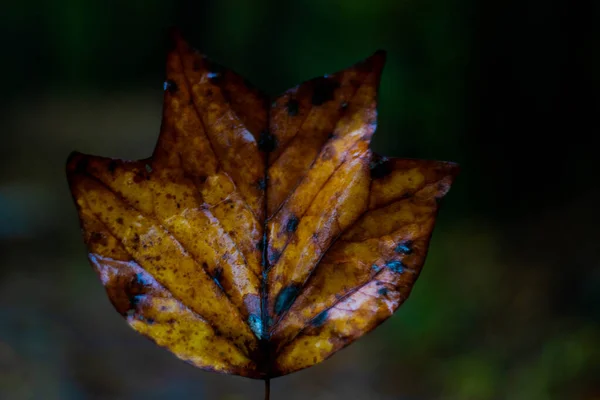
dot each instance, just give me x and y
(261, 236)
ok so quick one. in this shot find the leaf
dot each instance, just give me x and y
(261, 237)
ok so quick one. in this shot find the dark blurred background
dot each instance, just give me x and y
(508, 304)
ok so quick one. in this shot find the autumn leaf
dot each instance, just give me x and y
(262, 236)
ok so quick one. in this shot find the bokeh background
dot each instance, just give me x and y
(508, 304)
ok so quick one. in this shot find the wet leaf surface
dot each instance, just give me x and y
(263, 235)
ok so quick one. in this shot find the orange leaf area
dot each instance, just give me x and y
(262, 236)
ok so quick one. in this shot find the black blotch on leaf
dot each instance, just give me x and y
(262, 184)
(285, 298)
(396, 266)
(171, 86)
(135, 300)
(380, 167)
(324, 90)
(404, 247)
(214, 77)
(292, 224)
(382, 291)
(141, 280)
(292, 107)
(319, 319)
(217, 276)
(218, 283)
(267, 142)
(260, 244)
(255, 323)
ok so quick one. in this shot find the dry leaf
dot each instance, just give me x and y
(260, 238)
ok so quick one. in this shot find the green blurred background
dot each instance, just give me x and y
(508, 304)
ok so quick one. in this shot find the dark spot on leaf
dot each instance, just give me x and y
(218, 283)
(404, 247)
(319, 319)
(324, 90)
(120, 221)
(396, 266)
(260, 244)
(285, 298)
(292, 224)
(150, 321)
(262, 184)
(214, 77)
(380, 167)
(292, 107)
(255, 323)
(267, 142)
(331, 136)
(218, 274)
(135, 300)
(171, 86)
(383, 291)
(274, 256)
(141, 280)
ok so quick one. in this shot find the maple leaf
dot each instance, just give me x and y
(261, 237)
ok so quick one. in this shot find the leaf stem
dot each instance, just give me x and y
(267, 388)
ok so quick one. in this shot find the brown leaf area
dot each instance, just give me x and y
(261, 237)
